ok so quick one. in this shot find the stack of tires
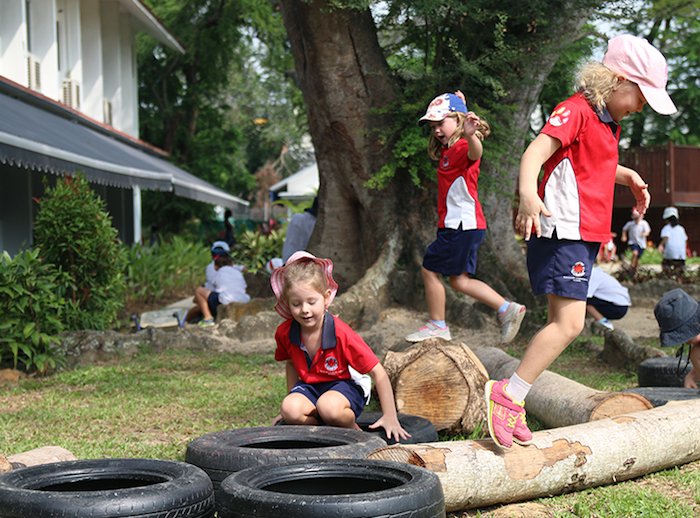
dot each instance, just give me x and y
(107, 488)
(662, 380)
(313, 471)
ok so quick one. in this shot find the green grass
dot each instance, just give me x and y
(150, 406)
(153, 405)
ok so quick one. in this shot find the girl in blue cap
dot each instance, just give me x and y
(455, 141)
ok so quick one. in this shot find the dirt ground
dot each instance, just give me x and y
(396, 323)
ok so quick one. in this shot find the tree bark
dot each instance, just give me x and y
(621, 351)
(558, 401)
(440, 381)
(561, 460)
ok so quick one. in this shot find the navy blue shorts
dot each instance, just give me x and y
(454, 251)
(560, 267)
(213, 303)
(347, 388)
(639, 249)
(607, 309)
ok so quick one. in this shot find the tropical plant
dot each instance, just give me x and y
(74, 232)
(30, 311)
(256, 248)
(166, 269)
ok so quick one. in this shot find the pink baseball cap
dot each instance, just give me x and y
(640, 62)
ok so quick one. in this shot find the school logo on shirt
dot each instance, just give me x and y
(331, 364)
(578, 269)
(559, 116)
(445, 161)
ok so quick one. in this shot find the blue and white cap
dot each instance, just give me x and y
(220, 246)
(441, 107)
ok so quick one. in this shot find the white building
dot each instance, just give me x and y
(69, 103)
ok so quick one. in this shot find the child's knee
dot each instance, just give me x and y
(292, 409)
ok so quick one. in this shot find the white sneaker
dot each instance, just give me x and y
(510, 321)
(605, 322)
(429, 330)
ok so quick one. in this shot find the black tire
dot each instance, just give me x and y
(353, 488)
(107, 488)
(663, 372)
(421, 429)
(222, 453)
(659, 396)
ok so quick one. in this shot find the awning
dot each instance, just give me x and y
(40, 134)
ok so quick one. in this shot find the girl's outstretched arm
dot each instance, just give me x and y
(640, 189)
(389, 420)
(536, 154)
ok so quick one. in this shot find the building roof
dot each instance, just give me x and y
(39, 133)
(301, 185)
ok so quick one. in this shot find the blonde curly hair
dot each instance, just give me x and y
(435, 146)
(597, 83)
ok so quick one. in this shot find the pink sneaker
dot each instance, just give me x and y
(522, 434)
(504, 415)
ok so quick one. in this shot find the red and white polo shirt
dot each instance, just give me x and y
(579, 179)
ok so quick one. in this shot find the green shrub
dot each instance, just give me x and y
(166, 269)
(254, 249)
(30, 311)
(74, 232)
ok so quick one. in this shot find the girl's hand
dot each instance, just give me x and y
(529, 214)
(640, 190)
(471, 124)
(392, 427)
(459, 94)
(276, 419)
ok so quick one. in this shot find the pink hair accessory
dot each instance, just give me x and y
(277, 280)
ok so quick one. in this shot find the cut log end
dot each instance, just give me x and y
(619, 403)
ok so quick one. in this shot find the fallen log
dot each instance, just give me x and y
(43, 455)
(561, 460)
(558, 401)
(439, 381)
(621, 351)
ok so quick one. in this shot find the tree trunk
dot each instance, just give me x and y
(561, 460)
(440, 381)
(558, 401)
(345, 79)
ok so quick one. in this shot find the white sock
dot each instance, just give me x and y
(518, 388)
(503, 308)
(440, 323)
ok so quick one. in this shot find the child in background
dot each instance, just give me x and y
(673, 243)
(571, 212)
(228, 285)
(327, 363)
(217, 248)
(678, 316)
(455, 141)
(635, 233)
(607, 298)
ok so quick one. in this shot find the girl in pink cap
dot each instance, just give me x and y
(328, 365)
(570, 214)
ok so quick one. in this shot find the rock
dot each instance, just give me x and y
(255, 327)
(258, 285)
(43, 455)
(236, 311)
(11, 375)
(5, 465)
